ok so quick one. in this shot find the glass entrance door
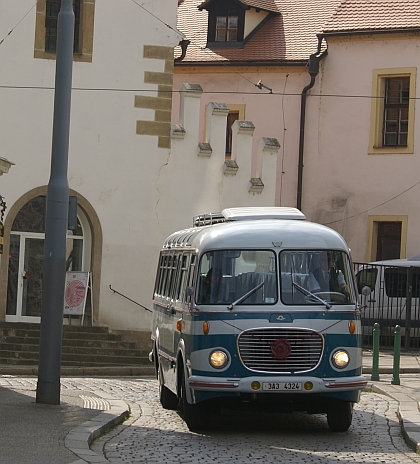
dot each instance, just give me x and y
(33, 263)
(26, 262)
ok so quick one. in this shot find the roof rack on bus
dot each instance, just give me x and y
(208, 219)
(249, 214)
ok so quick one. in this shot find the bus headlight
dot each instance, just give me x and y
(218, 359)
(341, 359)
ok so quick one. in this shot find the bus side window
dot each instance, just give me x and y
(173, 277)
(190, 279)
(183, 276)
(163, 275)
(168, 275)
(159, 276)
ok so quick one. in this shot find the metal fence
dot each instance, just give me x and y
(389, 296)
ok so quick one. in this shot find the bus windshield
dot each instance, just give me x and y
(226, 276)
(311, 277)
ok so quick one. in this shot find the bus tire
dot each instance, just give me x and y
(339, 416)
(167, 399)
(196, 416)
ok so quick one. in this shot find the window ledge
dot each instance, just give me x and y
(390, 150)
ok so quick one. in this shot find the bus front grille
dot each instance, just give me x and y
(280, 350)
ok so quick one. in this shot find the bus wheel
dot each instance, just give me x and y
(196, 416)
(339, 416)
(168, 400)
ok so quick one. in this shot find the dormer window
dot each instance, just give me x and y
(226, 28)
(226, 22)
(231, 23)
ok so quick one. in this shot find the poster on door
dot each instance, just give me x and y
(75, 293)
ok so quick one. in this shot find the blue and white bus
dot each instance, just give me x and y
(257, 308)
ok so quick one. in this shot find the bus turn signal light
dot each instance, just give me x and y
(180, 325)
(206, 327)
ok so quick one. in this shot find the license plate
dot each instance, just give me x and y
(282, 386)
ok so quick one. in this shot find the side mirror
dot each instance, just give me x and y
(189, 292)
(366, 290)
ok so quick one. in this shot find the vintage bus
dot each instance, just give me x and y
(257, 308)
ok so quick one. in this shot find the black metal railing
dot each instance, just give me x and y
(389, 296)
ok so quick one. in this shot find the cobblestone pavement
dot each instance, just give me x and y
(154, 435)
(161, 436)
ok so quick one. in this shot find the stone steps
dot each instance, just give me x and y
(81, 347)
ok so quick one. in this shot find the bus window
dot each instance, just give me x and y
(190, 279)
(183, 277)
(311, 277)
(225, 276)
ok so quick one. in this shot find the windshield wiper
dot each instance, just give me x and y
(312, 295)
(244, 297)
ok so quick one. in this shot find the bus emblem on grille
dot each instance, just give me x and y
(281, 348)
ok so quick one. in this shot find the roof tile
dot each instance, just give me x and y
(268, 5)
(361, 15)
(290, 36)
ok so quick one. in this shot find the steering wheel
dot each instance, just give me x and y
(327, 296)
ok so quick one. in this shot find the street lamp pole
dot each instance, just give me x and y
(56, 219)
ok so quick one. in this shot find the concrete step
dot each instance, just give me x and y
(30, 326)
(28, 358)
(76, 342)
(81, 346)
(101, 371)
(11, 348)
(21, 333)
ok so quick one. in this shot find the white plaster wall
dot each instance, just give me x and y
(273, 115)
(112, 167)
(342, 184)
(190, 184)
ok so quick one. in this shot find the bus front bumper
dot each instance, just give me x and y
(291, 384)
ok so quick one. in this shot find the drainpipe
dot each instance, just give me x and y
(184, 45)
(313, 70)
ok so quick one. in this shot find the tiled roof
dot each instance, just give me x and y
(362, 15)
(290, 36)
(267, 5)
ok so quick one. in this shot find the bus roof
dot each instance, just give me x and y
(247, 228)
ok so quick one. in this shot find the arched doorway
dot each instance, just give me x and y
(21, 290)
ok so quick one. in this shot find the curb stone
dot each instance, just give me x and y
(78, 440)
(409, 418)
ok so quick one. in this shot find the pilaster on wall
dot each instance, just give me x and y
(210, 182)
(242, 132)
(216, 118)
(268, 148)
(190, 105)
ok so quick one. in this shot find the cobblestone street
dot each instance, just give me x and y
(154, 435)
(160, 436)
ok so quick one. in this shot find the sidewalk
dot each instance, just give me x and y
(59, 431)
(407, 393)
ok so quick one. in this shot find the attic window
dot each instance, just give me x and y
(226, 28)
(226, 24)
